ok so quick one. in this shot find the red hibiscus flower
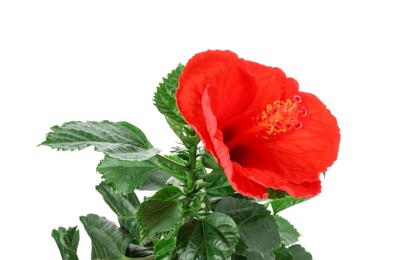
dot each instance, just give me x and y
(260, 128)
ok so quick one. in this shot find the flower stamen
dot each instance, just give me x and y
(280, 117)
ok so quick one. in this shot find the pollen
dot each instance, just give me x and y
(280, 117)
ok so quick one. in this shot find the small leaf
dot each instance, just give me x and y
(184, 132)
(162, 212)
(168, 193)
(211, 238)
(164, 248)
(282, 253)
(287, 232)
(294, 252)
(119, 140)
(209, 161)
(257, 228)
(164, 98)
(286, 202)
(299, 253)
(165, 101)
(67, 241)
(124, 207)
(276, 194)
(219, 184)
(108, 240)
(125, 176)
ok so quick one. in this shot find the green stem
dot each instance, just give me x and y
(191, 173)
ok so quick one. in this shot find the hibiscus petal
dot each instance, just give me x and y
(300, 155)
(272, 85)
(242, 185)
(234, 89)
(243, 178)
(305, 189)
(314, 147)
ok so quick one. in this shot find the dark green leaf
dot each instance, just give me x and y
(168, 193)
(125, 176)
(299, 253)
(119, 140)
(244, 252)
(124, 207)
(165, 101)
(257, 228)
(67, 241)
(184, 132)
(276, 194)
(287, 232)
(212, 238)
(156, 181)
(219, 184)
(164, 98)
(162, 212)
(164, 249)
(173, 165)
(282, 253)
(208, 161)
(108, 240)
(284, 203)
(158, 216)
(138, 252)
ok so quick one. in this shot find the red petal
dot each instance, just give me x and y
(272, 85)
(300, 155)
(244, 182)
(242, 185)
(246, 186)
(231, 87)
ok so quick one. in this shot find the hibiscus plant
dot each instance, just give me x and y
(251, 146)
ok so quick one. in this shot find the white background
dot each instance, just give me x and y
(95, 60)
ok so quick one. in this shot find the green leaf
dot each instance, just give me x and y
(219, 184)
(139, 252)
(287, 232)
(276, 194)
(299, 253)
(165, 101)
(257, 228)
(108, 240)
(164, 249)
(209, 161)
(124, 206)
(125, 176)
(67, 241)
(164, 98)
(213, 238)
(282, 253)
(284, 203)
(184, 132)
(156, 181)
(244, 252)
(294, 252)
(119, 140)
(168, 193)
(162, 212)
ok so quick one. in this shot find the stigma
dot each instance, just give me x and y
(280, 117)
